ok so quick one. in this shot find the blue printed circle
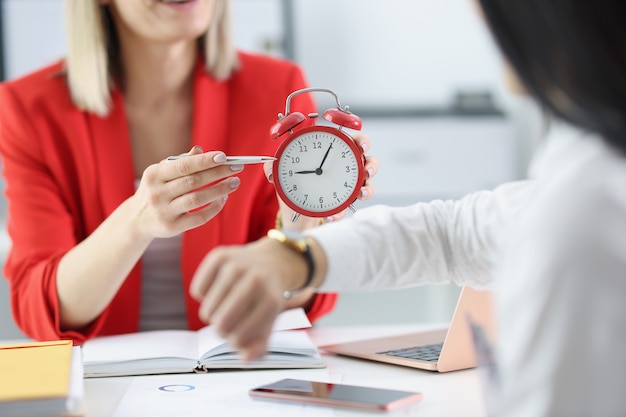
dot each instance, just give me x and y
(177, 388)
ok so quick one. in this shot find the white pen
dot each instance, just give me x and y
(234, 160)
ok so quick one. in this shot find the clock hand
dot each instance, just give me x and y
(319, 170)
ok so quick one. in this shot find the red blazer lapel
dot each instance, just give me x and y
(115, 171)
(210, 130)
(210, 111)
(116, 180)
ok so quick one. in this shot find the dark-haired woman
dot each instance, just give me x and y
(553, 248)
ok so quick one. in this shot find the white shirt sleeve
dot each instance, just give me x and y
(392, 247)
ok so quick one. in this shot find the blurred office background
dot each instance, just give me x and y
(424, 75)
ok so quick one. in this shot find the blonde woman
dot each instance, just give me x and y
(105, 235)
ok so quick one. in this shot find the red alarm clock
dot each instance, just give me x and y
(319, 170)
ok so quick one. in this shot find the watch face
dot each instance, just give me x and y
(320, 171)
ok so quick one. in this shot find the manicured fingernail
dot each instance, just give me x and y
(197, 148)
(270, 176)
(234, 182)
(219, 158)
(370, 172)
(364, 147)
(364, 193)
(236, 167)
(224, 199)
(329, 219)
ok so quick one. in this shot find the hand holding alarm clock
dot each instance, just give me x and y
(319, 170)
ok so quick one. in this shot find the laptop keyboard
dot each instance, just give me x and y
(428, 353)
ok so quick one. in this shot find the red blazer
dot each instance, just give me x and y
(66, 170)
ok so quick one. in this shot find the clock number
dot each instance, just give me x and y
(295, 160)
(347, 168)
(317, 145)
(305, 197)
(345, 184)
(295, 187)
(343, 155)
(290, 173)
(303, 148)
(335, 194)
(321, 200)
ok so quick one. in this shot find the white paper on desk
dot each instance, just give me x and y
(291, 320)
(77, 384)
(287, 320)
(215, 394)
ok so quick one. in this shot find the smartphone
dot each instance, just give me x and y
(341, 395)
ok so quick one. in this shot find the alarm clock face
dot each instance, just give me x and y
(318, 171)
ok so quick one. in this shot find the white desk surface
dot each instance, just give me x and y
(454, 394)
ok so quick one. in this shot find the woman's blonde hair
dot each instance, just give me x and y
(92, 62)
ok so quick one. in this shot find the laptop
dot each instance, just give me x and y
(443, 350)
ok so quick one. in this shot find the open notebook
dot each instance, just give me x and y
(437, 350)
(182, 351)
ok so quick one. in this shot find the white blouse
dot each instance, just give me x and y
(162, 294)
(554, 250)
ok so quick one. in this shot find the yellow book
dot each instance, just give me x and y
(36, 378)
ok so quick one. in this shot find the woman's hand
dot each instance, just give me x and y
(175, 196)
(240, 290)
(367, 190)
(371, 167)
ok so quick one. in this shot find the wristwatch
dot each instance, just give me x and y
(301, 244)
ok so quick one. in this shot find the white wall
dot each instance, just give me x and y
(33, 33)
(8, 330)
(375, 54)
(396, 53)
